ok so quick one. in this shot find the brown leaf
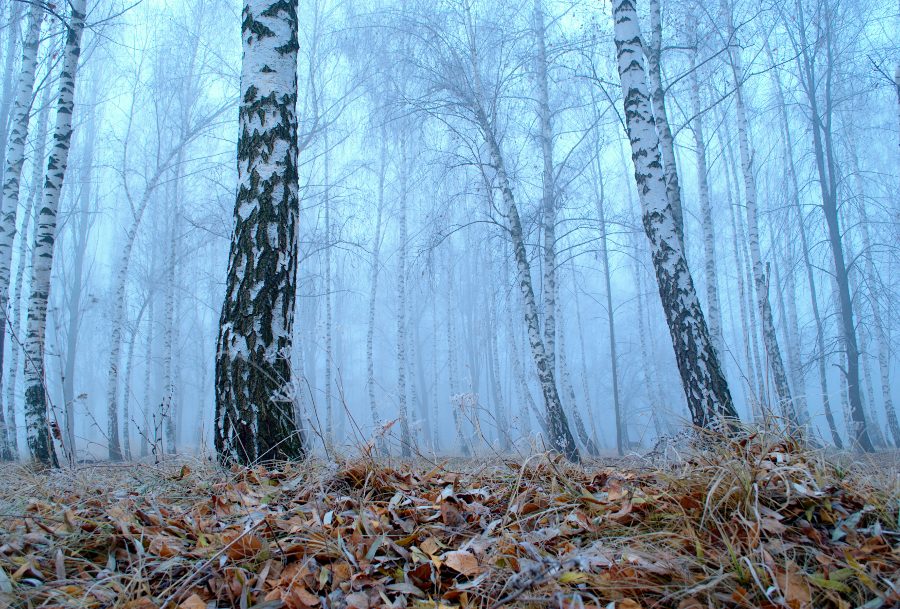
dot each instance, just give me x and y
(299, 598)
(241, 545)
(462, 562)
(690, 603)
(628, 603)
(140, 603)
(794, 588)
(193, 602)
(450, 515)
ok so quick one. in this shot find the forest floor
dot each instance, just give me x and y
(754, 522)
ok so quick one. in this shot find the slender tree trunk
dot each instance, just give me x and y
(651, 379)
(713, 307)
(600, 203)
(171, 328)
(373, 296)
(83, 223)
(704, 384)
(882, 339)
(653, 53)
(452, 378)
(9, 197)
(36, 420)
(827, 169)
(254, 422)
(329, 305)
(761, 281)
(585, 386)
(6, 101)
(548, 188)
(402, 339)
(560, 436)
(148, 420)
(501, 421)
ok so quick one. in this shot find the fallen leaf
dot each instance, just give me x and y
(462, 562)
(193, 602)
(628, 603)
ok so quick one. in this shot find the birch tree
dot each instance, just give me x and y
(9, 197)
(704, 384)
(253, 420)
(37, 422)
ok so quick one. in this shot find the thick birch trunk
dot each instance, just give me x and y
(254, 421)
(704, 384)
(9, 197)
(36, 419)
(658, 97)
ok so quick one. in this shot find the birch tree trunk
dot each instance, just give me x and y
(329, 306)
(600, 203)
(148, 420)
(704, 384)
(713, 307)
(6, 101)
(254, 422)
(373, 295)
(171, 327)
(560, 435)
(548, 189)
(26, 239)
(9, 198)
(770, 338)
(666, 141)
(402, 339)
(36, 420)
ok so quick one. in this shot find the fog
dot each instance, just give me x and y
(411, 324)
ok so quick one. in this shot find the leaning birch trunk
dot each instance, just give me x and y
(704, 384)
(402, 341)
(373, 295)
(761, 282)
(254, 420)
(548, 194)
(26, 239)
(9, 198)
(37, 422)
(658, 96)
(560, 435)
(713, 307)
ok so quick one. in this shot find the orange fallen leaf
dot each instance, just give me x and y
(628, 603)
(462, 562)
(193, 602)
(241, 545)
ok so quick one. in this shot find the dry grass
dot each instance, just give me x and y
(752, 522)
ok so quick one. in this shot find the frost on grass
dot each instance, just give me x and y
(754, 523)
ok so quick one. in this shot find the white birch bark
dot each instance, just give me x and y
(9, 197)
(253, 420)
(26, 240)
(761, 282)
(170, 327)
(701, 374)
(713, 308)
(6, 96)
(37, 423)
(548, 188)
(653, 52)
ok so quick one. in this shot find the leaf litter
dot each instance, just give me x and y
(755, 521)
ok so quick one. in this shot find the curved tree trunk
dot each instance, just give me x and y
(704, 384)
(36, 420)
(254, 421)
